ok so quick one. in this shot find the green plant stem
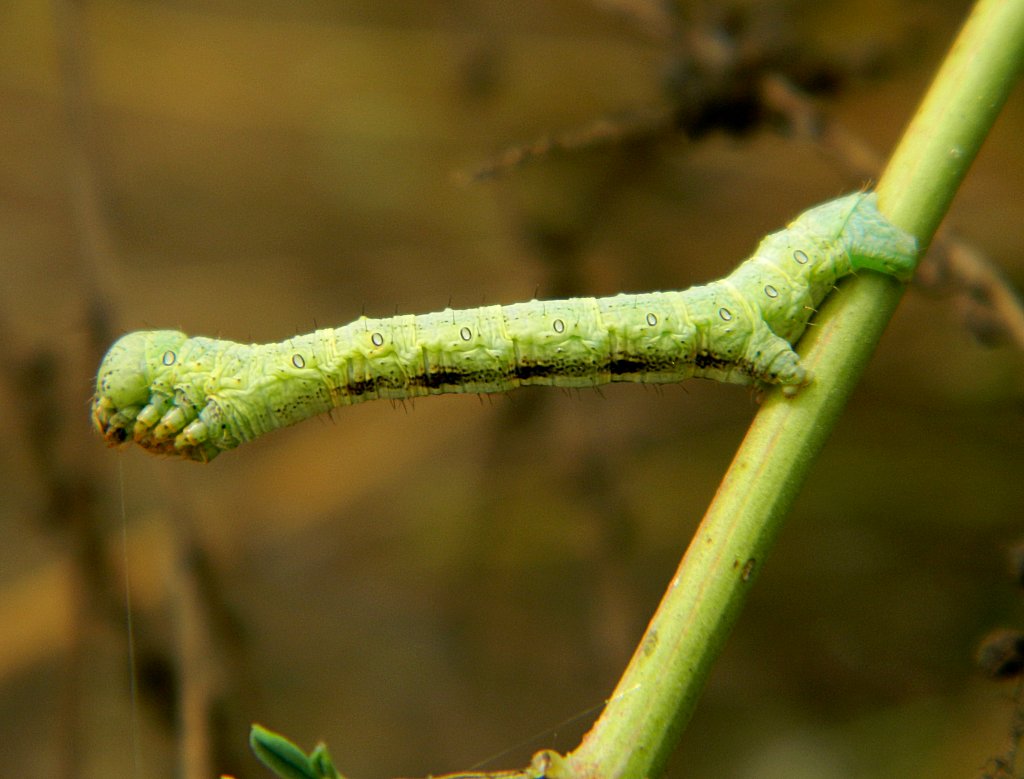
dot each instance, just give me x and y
(656, 696)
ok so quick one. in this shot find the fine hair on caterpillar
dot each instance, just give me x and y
(196, 397)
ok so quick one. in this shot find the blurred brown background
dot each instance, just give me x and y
(429, 586)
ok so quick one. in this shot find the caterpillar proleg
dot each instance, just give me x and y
(197, 397)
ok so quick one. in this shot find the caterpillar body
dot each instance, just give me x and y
(197, 397)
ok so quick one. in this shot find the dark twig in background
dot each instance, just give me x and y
(1000, 657)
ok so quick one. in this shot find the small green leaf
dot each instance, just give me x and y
(282, 756)
(321, 760)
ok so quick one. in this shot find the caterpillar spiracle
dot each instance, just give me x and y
(197, 397)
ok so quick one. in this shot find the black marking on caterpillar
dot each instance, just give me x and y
(196, 397)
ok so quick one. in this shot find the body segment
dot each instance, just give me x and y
(199, 396)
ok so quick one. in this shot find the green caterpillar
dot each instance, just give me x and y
(197, 397)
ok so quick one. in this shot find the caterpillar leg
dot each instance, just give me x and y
(194, 441)
(179, 431)
(772, 361)
(160, 427)
(788, 373)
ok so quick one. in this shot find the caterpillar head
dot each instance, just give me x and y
(128, 379)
